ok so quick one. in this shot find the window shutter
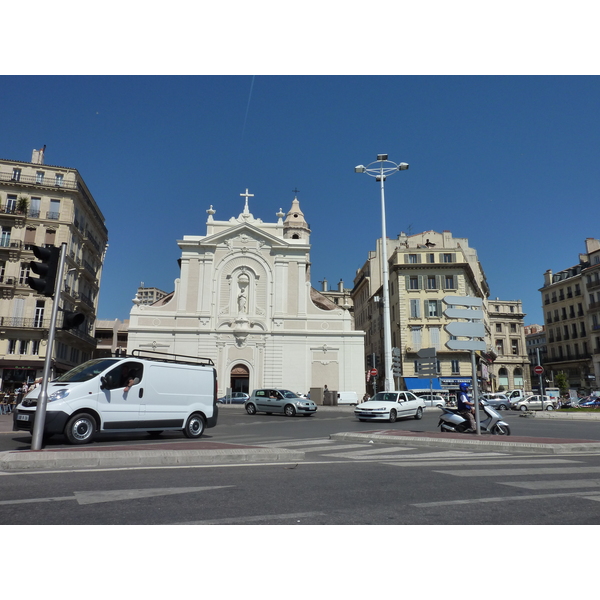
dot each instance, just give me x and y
(30, 235)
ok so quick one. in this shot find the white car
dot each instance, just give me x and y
(389, 406)
(433, 400)
(535, 403)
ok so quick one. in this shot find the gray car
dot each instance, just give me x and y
(275, 400)
(499, 401)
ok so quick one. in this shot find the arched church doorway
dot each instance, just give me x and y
(240, 379)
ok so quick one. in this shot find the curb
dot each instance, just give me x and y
(488, 444)
(69, 459)
(585, 416)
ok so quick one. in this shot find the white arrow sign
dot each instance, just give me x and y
(459, 329)
(464, 313)
(463, 301)
(466, 345)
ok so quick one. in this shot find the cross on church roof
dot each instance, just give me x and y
(247, 195)
(296, 190)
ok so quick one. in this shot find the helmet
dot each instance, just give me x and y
(464, 387)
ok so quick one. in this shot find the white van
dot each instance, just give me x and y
(153, 393)
(348, 398)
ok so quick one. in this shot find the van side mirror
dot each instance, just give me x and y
(103, 383)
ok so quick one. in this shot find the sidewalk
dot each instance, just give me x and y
(190, 453)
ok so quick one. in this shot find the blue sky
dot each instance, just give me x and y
(510, 162)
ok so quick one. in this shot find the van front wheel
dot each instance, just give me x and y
(194, 428)
(80, 429)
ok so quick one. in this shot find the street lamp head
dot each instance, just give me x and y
(382, 157)
(360, 169)
(402, 166)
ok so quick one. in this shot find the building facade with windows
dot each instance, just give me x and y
(535, 342)
(150, 295)
(45, 205)
(510, 369)
(424, 268)
(571, 302)
(244, 300)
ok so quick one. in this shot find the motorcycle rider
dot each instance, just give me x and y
(466, 407)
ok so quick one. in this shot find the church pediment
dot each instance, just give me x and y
(244, 234)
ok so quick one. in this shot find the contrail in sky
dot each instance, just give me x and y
(246, 116)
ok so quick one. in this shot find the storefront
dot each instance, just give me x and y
(452, 383)
(14, 375)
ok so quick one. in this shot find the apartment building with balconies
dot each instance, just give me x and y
(46, 205)
(424, 268)
(571, 303)
(510, 367)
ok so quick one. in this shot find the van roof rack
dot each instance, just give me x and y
(172, 358)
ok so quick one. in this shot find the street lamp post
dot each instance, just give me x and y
(380, 169)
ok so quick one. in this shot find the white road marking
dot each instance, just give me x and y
(254, 519)
(558, 484)
(592, 495)
(510, 472)
(116, 495)
(490, 462)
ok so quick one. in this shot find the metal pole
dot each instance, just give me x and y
(40, 411)
(475, 392)
(541, 376)
(387, 334)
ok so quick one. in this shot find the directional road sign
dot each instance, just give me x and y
(466, 345)
(461, 329)
(463, 313)
(426, 353)
(463, 301)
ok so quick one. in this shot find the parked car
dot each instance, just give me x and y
(273, 400)
(499, 401)
(433, 400)
(235, 398)
(535, 403)
(390, 406)
(590, 402)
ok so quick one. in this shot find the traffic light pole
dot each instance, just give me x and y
(40, 413)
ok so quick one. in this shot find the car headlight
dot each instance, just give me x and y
(58, 395)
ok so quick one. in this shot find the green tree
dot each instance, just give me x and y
(562, 383)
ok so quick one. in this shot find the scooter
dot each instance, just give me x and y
(451, 420)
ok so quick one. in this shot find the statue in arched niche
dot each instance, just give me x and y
(243, 282)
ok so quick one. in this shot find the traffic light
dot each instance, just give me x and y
(377, 361)
(44, 284)
(72, 320)
(369, 361)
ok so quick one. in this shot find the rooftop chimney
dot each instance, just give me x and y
(37, 156)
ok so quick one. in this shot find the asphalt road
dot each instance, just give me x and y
(338, 483)
(236, 426)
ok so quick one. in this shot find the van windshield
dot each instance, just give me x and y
(88, 370)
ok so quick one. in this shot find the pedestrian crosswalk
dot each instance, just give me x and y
(544, 476)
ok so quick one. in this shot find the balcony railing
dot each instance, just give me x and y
(34, 180)
(23, 322)
(593, 285)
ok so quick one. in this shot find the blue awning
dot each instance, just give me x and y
(418, 383)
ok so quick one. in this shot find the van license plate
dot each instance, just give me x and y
(22, 417)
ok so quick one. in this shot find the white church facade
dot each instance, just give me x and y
(244, 299)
